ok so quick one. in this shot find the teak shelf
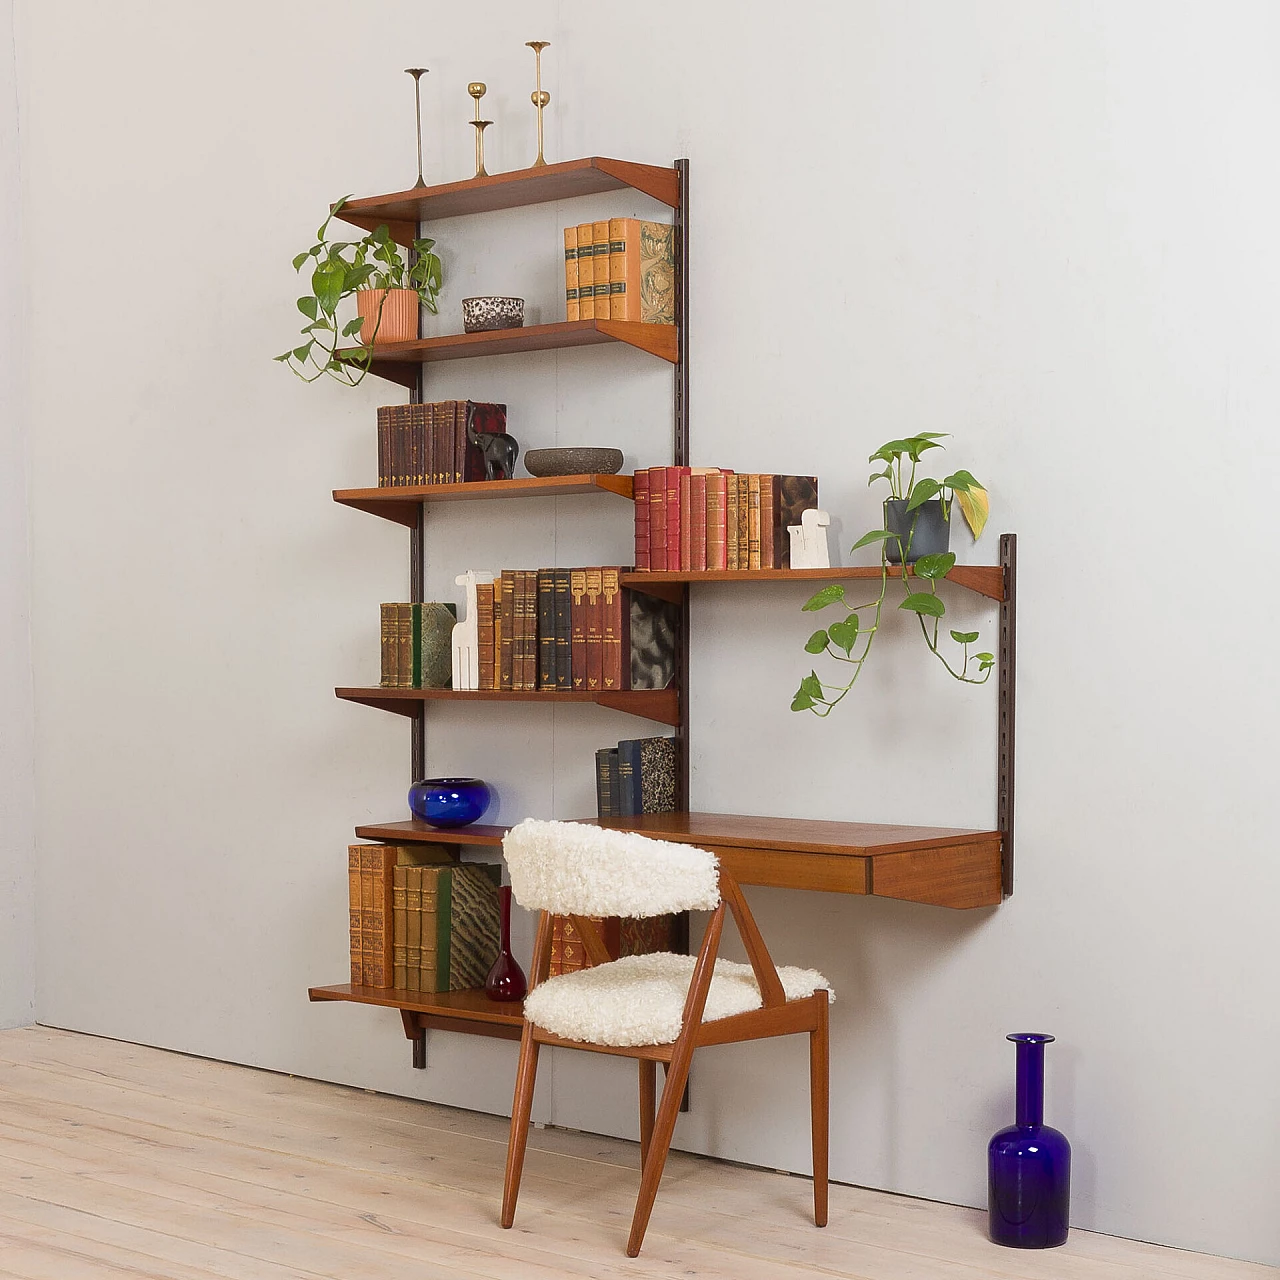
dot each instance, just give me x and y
(403, 210)
(400, 361)
(403, 503)
(662, 705)
(938, 866)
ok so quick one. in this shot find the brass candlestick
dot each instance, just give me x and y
(477, 90)
(538, 97)
(417, 73)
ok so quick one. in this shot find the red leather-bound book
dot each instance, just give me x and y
(640, 492)
(717, 521)
(674, 515)
(697, 517)
(595, 630)
(615, 624)
(658, 519)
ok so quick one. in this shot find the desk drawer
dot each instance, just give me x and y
(793, 869)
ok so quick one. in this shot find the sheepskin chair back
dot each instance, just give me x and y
(573, 868)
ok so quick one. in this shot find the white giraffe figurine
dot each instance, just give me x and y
(466, 640)
(809, 540)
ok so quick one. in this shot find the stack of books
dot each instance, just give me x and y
(401, 635)
(622, 269)
(622, 937)
(696, 518)
(421, 921)
(422, 444)
(573, 629)
(637, 776)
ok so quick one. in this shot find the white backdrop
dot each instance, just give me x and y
(17, 769)
(1048, 229)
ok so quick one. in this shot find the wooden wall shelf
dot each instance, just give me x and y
(403, 210)
(400, 361)
(401, 503)
(661, 705)
(469, 1011)
(986, 580)
(942, 866)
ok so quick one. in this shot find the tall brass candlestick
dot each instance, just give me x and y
(417, 73)
(538, 97)
(477, 89)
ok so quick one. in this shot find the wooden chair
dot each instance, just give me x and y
(653, 1008)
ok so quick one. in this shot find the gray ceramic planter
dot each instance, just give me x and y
(923, 530)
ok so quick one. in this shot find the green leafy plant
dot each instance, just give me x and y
(339, 268)
(849, 640)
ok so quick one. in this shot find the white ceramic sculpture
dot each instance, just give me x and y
(466, 643)
(809, 541)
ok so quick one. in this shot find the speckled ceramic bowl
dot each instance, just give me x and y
(573, 462)
(481, 314)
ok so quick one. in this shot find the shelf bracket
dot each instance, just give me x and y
(417, 1037)
(1007, 668)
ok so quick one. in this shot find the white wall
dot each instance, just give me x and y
(17, 766)
(1049, 229)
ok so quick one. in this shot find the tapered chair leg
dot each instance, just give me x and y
(521, 1107)
(659, 1145)
(820, 1103)
(648, 1099)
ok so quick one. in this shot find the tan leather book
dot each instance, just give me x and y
(595, 630)
(400, 934)
(571, 273)
(600, 267)
(390, 644)
(586, 273)
(377, 863)
(484, 632)
(642, 271)
(354, 892)
(753, 521)
(717, 521)
(615, 631)
(731, 522)
(413, 928)
(578, 627)
(743, 522)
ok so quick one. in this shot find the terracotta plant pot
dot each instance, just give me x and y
(399, 314)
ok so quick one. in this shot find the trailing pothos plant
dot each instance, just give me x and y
(338, 269)
(849, 640)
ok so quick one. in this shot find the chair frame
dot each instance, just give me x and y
(777, 1016)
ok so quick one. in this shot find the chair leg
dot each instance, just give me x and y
(526, 1073)
(820, 1103)
(659, 1144)
(648, 1097)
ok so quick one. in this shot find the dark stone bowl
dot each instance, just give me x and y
(573, 461)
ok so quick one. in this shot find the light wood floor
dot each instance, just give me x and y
(117, 1160)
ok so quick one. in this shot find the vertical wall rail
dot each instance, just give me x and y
(1008, 671)
(417, 578)
(680, 458)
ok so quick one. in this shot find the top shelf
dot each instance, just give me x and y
(403, 210)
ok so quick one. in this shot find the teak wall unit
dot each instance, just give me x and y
(948, 867)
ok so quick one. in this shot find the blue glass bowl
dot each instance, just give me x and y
(449, 802)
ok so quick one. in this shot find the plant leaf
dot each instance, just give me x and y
(327, 282)
(890, 451)
(802, 701)
(876, 535)
(921, 492)
(301, 258)
(880, 475)
(844, 635)
(817, 643)
(975, 506)
(352, 326)
(937, 565)
(812, 686)
(964, 637)
(301, 353)
(308, 307)
(924, 602)
(961, 480)
(985, 661)
(820, 599)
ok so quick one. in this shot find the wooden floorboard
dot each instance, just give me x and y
(120, 1160)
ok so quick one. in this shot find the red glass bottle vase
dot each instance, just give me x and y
(506, 979)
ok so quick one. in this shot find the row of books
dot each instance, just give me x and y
(621, 937)
(620, 269)
(400, 630)
(419, 920)
(637, 776)
(693, 518)
(573, 629)
(427, 443)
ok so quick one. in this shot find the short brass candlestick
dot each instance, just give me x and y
(477, 90)
(417, 73)
(538, 97)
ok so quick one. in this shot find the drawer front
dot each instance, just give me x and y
(793, 869)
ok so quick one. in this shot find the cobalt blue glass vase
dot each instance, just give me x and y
(449, 802)
(1029, 1164)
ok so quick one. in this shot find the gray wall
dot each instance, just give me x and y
(1047, 229)
(17, 776)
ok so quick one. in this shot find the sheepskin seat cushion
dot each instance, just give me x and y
(640, 999)
(573, 868)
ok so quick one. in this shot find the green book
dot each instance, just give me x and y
(460, 928)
